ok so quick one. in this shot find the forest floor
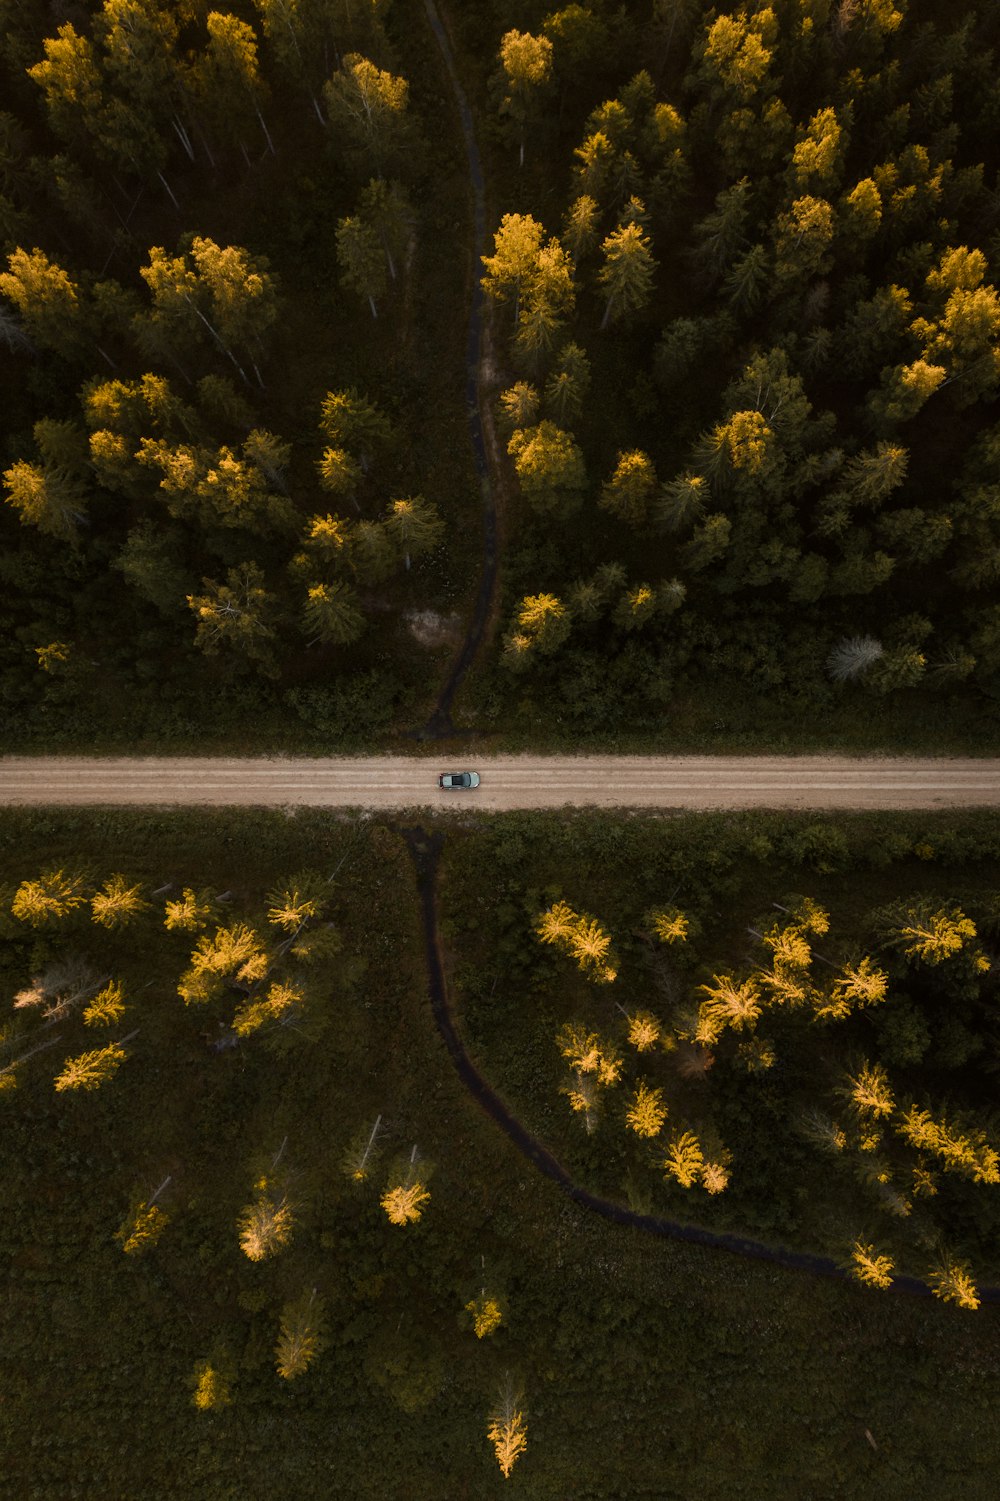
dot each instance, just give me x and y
(508, 782)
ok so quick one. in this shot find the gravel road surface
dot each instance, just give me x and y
(507, 782)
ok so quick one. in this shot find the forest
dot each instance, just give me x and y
(265, 1239)
(737, 371)
(516, 374)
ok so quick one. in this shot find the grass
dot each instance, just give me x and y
(649, 1369)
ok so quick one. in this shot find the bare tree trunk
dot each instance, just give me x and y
(170, 191)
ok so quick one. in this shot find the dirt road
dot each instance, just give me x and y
(507, 782)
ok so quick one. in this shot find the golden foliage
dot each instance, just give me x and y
(107, 1007)
(951, 1280)
(266, 1225)
(580, 936)
(48, 899)
(587, 1054)
(281, 1002)
(142, 1229)
(486, 1315)
(758, 1054)
(936, 937)
(963, 1148)
(684, 1160)
(727, 1004)
(869, 1091)
(669, 924)
(117, 903)
(714, 1177)
(298, 902)
(91, 1070)
(190, 913)
(211, 1388)
(869, 1267)
(643, 1031)
(508, 1435)
(404, 1204)
(647, 1112)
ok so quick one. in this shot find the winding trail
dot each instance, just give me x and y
(425, 849)
(439, 725)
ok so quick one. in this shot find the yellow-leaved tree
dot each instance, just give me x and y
(406, 1193)
(647, 1112)
(507, 1430)
(869, 1267)
(580, 936)
(267, 1223)
(117, 904)
(89, 1071)
(487, 1315)
(212, 1387)
(951, 1280)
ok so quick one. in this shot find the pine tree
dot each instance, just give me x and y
(107, 1007)
(191, 912)
(300, 1339)
(406, 1193)
(212, 1389)
(266, 1224)
(517, 244)
(869, 1267)
(362, 1153)
(951, 1281)
(684, 1160)
(566, 387)
(88, 1071)
(331, 614)
(643, 1031)
(646, 1112)
(550, 468)
(48, 899)
(580, 226)
(415, 526)
(369, 107)
(526, 71)
(853, 658)
(487, 1315)
(117, 904)
(627, 274)
(727, 1003)
(869, 1092)
(629, 491)
(142, 1228)
(235, 615)
(361, 260)
(507, 1431)
(46, 298)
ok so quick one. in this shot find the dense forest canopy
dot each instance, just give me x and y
(746, 282)
(226, 440)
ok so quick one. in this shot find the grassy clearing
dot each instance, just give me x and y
(649, 1369)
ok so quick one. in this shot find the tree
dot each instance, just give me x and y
(226, 80)
(932, 936)
(48, 899)
(951, 1280)
(70, 79)
(361, 260)
(818, 155)
(627, 274)
(387, 208)
(331, 614)
(404, 1203)
(580, 227)
(350, 421)
(736, 53)
(88, 1071)
(487, 1315)
(669, 925)
(802, 240)
(629, 491)
(107, 1007)
(643, 1031)
(540, 627)
(507, 1431)
(722, 234)
(517, 244)
(550, 467)
(362, 1153)
(415, 527)
(548, 301)
(117, 904)
(234, 616)
(212, 1388)
(192, 911)
(220, 290)
(727, 1003)
(266, 1224)
(47, 299)
(369, 106)
(868, 1267)
(647, 1112)
(142, 1227)
(518, 406)
(48, 496)
(300, 1337)
(526, 72)
(853, 657)
(684, 1160)
(566, 386)
(869, 1092)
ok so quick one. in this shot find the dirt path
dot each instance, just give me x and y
(397, 782)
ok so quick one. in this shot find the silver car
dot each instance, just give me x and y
(455, 779)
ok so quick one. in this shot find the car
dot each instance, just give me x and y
(453, 779)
